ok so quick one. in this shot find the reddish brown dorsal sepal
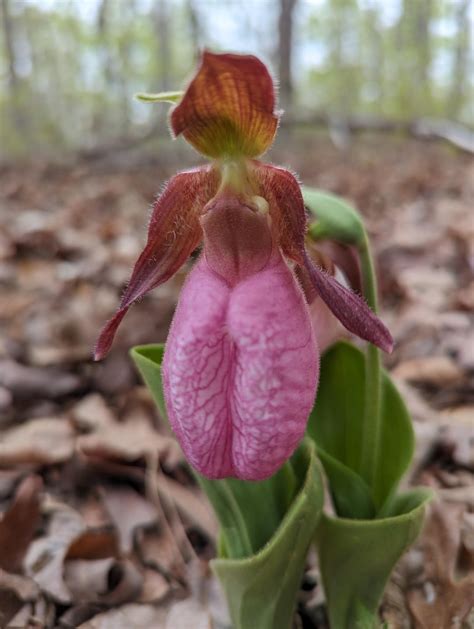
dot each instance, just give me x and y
(228, 108)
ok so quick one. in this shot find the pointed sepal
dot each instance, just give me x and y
(173, 233)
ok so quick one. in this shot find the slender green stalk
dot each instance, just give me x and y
(372, 423)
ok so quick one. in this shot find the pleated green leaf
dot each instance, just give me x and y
(336, 426)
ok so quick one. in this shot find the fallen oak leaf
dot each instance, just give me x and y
(43, 441)
(128, 511)
(446, 601)
(106, 581)
(155, 587)
(129, 441)
(94, 544)
(191, 505)
(131, 616)
(18, 525)
(45, 558)
(92, 413)
(434, 370)
(15, 591)
(25, 382)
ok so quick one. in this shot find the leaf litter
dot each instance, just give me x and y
(101, 524)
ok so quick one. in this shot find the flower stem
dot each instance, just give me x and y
(371, 426)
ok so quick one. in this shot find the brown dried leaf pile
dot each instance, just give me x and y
(101, 525)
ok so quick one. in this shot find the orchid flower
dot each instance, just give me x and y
(241, 362)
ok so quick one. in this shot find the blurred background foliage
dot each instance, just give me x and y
(69, 68)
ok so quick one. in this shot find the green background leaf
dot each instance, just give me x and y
(336, 426)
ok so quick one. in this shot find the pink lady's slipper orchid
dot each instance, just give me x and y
(241, 363)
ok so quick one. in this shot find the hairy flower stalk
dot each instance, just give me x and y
(241, 363)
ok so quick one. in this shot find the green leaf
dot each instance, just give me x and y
(261, 589)
(336, 219)
(350, 493)
(148, 360)
(357, 556)
(336, 426)
(161, 97)
(250, 512)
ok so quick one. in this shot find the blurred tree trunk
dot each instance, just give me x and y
(8, 37)
(15, 106)
(162, 25)
(414, 52)
(194, 27)
(460, 72)
(285, 49)
(422, 37)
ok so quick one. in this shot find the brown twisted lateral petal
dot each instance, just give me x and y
(174, 232)
(228, 108)
(283, 194)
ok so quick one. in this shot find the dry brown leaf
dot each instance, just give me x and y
(192, 504)
(157, 551)
(8, 480)
(446, 599)
(128, 511)
(15, 591)
(188, 614)
(94, 544)
(45, 557)
(93, 512)
(155, 587)
(132, 616)
(436, 370)
(107, 581)
(92, 413)
(128, 441)
(431, 286)
(125, 583)
(43, 441)
(86, 579)
(79, 614)
(26, 382)
(18, 525)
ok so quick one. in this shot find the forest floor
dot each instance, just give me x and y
(101, 525)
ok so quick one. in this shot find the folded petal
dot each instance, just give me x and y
(240, 371)
(283, 194)
(228, 108)
(173, 233)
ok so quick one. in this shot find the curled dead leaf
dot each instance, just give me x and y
(18, 525)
